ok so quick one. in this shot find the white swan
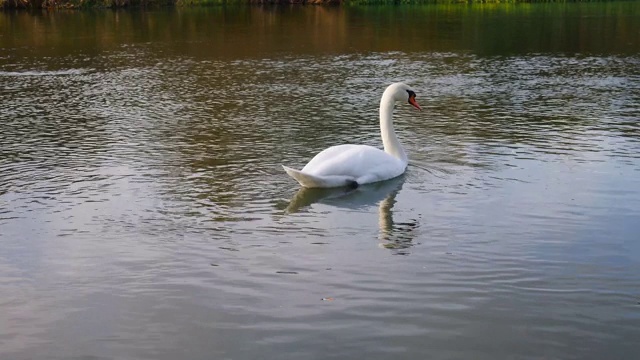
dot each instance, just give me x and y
(353, 165)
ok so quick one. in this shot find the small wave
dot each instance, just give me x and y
(44, 73)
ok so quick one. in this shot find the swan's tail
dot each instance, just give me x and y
(312, 181)
(305, 180)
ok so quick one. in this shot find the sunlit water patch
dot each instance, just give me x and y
(144, 212)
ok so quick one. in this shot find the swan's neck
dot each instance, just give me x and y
(389, 139)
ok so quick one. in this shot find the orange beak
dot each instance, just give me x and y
(412, 101)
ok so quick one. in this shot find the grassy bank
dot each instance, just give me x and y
(47, 4)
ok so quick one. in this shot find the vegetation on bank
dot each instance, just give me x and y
(47, 4)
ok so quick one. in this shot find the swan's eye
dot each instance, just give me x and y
(412, 99)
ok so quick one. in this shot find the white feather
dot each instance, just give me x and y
(349, 165)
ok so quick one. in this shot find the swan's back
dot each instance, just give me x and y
(360, 163)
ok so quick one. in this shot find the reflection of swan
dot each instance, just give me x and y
(353, 165)
(361, 197)
(392, 235)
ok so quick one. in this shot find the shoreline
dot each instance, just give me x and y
(136, 4)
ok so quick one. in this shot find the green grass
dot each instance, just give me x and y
(209, 2)
(37, 4)
(392, 2)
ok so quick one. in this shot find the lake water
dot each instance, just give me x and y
(144, 213)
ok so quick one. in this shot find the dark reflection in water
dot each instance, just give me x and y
(255, 32)
(144, 213)
(361, 197)
(383, 195)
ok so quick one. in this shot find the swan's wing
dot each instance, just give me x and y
(361, 162)
(329, 155)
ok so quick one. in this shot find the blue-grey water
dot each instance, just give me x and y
(144, 213)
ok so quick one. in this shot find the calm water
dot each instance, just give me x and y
(144, 213)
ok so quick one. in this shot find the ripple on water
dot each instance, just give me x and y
(145, 201)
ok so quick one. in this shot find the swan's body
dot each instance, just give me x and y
(348, 165)
(353, 165)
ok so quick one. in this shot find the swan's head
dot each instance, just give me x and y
(403, 93)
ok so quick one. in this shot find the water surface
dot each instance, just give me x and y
(144, 213)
